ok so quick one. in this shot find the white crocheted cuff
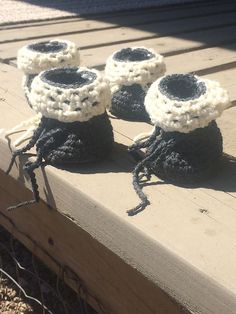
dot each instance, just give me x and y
(185, 102)
(70, 94)
(40, 56)
(136, 65)
(26, 82)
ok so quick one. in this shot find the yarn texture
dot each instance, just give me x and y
(130, 72)
(185, 102)
(34, 58)
(70, 94)
(74, 127)
(44, 55)
(77, 142)
(188, 157)
(186, 144)
(39, 56)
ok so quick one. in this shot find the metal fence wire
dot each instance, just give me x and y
(28, 286)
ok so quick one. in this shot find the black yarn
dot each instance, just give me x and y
(128, 103)
(131, 54)
(181, 87)
(180, 158)
(79, 142)
(29, 167)
(68, 77)
(31, 144)
(48, 46)
(59, 143)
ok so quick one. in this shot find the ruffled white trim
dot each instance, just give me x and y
(25, 86)
(61, 103)
(120, 73)
(33, 62)
(186, 116)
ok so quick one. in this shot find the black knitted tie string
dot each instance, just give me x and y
(179, 158)
(142, 166)
(156, 151)
(31, 144)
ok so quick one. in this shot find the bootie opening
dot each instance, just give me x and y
(181, 87)
(133, 54)
(48, 46)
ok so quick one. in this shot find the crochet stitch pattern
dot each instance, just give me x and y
(186, 144)
(130, 72)
(44, 55)
(33, 59)
(74, 127)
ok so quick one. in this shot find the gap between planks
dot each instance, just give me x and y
(126, 34)
(165, 226)
(175, 8)
(211, 62)
(168, 46)
(84, 26)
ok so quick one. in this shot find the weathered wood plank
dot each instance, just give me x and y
(154, 242)
(78, 25)
(128, 35)
(79, 255)
(167, 46)
(225, 77)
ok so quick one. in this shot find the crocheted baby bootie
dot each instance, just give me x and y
(40, 56)
(186, 145)
(32, 59)
(130, 72)
(74, 127)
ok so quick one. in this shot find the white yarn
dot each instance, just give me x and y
(120, 73)
(33, 62)
(61, 103)
(186, 116)
(27, 126)
(143, 136)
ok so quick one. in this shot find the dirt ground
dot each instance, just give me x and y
(21, 273)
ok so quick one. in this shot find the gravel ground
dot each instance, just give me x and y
(38, 282)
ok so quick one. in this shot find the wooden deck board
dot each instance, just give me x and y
(95, 268)
(84, 25)
(124, 35)
(184, 243)
(204, 7)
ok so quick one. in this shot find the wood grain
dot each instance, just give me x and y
(182, 247)
(79, 25)
(164, 243)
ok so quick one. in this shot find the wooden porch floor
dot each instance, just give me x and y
(183, 246)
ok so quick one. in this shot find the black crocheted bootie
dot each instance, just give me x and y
(130, 72)
(40, 56)
(74, 127)
(186, 145)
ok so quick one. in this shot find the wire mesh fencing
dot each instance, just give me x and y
(28, 286)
